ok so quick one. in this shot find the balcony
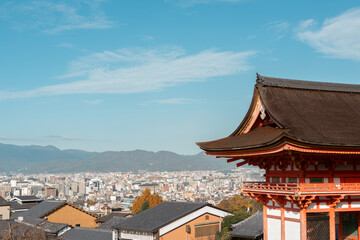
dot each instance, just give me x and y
(325, 189)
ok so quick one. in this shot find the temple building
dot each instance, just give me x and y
(306, 136)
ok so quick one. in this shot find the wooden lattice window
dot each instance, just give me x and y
(292, 180)
(316, 180)
(209, 230)
(275, 180)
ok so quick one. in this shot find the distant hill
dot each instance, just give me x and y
(35, 159)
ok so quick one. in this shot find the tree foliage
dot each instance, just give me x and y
(241, 207)
(18, 231)
(151, 199)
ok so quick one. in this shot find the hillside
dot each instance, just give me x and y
(33, 159)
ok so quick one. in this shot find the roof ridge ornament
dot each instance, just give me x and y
(259, 79)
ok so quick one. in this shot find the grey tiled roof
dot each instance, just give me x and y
(80, 233)
(3, 202)
(53, 228)
(309, 85)
(160, 215)
(28, 198)
(111, 215)
(252, 227)
(111, 223)
(33, 215)
(17, 206)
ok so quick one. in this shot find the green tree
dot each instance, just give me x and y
(144, 207)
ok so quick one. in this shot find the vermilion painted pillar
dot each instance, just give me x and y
(303, 227)
(265, 222)
(282, 223)
(332, 223)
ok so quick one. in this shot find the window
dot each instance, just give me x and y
(77, 225)
(316, 180)
(292, 180)
(206, 217)
(204, 231)
(275, 180)
(1, 217)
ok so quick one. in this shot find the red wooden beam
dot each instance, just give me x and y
(241, 163)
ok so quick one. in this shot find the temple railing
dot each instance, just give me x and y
(300, 188)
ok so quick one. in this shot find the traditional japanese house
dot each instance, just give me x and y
(306, 136)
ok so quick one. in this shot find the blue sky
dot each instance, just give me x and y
(117, 75)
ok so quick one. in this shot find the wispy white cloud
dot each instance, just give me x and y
(65, 45)
(64, 138)
(140, 70)
(177, 101)
(54, 17)
(279, 28)
(338, 37)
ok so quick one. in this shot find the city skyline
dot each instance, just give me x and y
(124, 75)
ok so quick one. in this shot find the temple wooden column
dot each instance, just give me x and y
(265, 222)
(303, 226)
(282, 223)
(332, 223)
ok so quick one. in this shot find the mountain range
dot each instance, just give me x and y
(49, 159)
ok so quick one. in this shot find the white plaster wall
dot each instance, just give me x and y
(336, 180)
(326, 180)
(292, 230)
(355, 205)
(342, 205)
(295, 206)
(291, 214)
(288, 168)
(136, 236)
(274, 212)
(343, 167)
(307, 180)
(274, 229)
(323, 205)
(288, 205)
(312, 206)
(354, 197)
(270, 203)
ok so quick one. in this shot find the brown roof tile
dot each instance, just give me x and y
(315, 113)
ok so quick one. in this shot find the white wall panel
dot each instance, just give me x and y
(355, 205)
(292, 230)
(291, 214)
(312, 206)
(274, 212)
(342, 205)
(274, 229)
(323, 206)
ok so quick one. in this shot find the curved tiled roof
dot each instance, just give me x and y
(250, 228)
(160, 215)
(311, 113)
